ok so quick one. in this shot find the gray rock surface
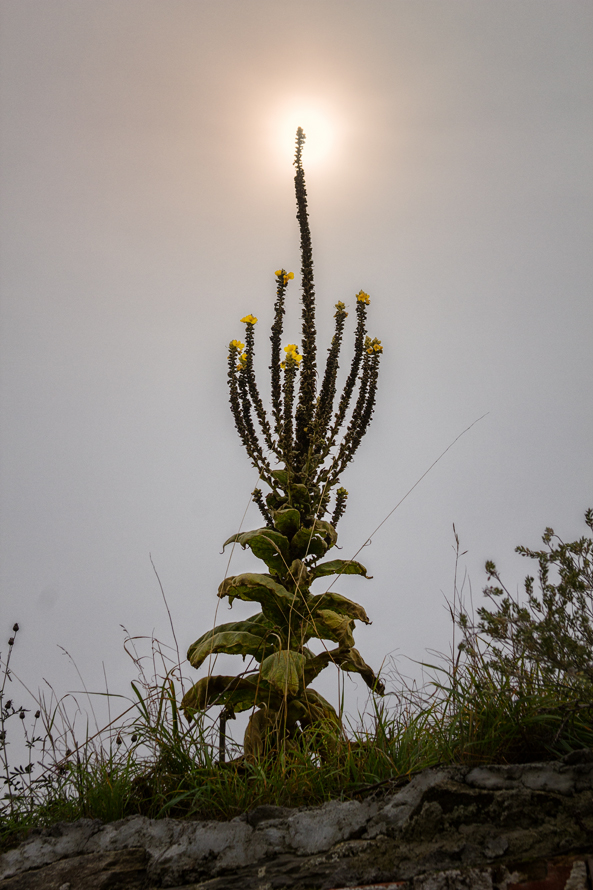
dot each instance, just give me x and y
(488, 827)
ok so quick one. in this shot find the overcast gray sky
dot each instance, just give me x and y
(147, 198)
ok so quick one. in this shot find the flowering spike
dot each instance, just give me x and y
(313, 432)
(275, 339)
(307, 389)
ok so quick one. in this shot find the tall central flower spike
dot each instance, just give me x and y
(300, 447)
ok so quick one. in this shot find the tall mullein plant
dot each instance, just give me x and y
(300, 447)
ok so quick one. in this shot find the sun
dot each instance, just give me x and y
(319, 129)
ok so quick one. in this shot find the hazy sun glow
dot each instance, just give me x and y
(317, 124)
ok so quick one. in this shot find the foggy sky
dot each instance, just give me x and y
(147, 198)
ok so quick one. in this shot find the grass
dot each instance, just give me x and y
(494, 699)
(157, 764)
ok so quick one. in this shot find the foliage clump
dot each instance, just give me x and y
(527, 663)
(554, 629)
(300, 449)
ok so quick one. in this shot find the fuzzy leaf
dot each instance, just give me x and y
(274, 599)
(284, 671)
(299, 494)
(339, 567)
(236, 693)
(239, 638)
(325, 528)
(307, 542)
(313, 708)
(328, 625)
(265, 543)
(338, 603)
(281, 477)
(258, 731)
(354, 662)
(314, 664)
(300, 577)
(287, 520)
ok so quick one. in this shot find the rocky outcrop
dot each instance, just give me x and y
(496, 827)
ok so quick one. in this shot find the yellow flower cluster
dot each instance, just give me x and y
(340, 307)
(291, 353)
(373, 346)
(362, 297)
(242, 362)
(249, 319)
(286, 275)
(236, 344)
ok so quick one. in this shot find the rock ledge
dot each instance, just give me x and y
(525, 826)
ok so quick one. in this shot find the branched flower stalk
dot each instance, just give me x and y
(300, 449)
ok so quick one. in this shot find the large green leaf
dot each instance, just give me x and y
(265, 543)
(337, 603)
(233, 639)
(259, 730)
(236, 693)
(273, 548)
(325, 528)
(353, 661)
(308, 542)
(242, 537)
(314, 664)
(281, 477)
(339, 567)
(299, 576)
(283, 670)
(275, 600)
(287, 520)
(326, 624)
(310, 708)
(299, 494)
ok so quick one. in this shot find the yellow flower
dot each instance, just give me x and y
(297, 358)
(373, 346)
(242, 362)
(249, 319)
(236, 344)
(362, 297)
(291, 353)
(288, 276)
(340, 307)
(278, 273)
